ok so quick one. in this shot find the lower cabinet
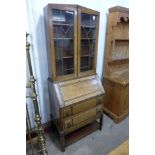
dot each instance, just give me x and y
(76, 108)
(116, 99)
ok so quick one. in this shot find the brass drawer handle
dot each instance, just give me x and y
(67, 114)
(68, 124)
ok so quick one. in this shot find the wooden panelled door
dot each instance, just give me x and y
(63, 36)
(88, 26)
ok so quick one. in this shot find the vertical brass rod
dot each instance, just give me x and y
(28, 118)
(29, 134)
(41, 137)
(28, 55)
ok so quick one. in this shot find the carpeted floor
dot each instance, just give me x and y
(97, 143)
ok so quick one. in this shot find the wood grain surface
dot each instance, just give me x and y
(122, 149)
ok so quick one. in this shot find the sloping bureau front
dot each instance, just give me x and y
(77, 90)
(77, 101)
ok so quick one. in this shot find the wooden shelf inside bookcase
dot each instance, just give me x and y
(62, 24)
(65, 57)
(85, 26)
(63, 38)
(85, 55)
(87, 38)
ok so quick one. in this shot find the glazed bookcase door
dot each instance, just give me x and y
(63, 27)
(88, 25)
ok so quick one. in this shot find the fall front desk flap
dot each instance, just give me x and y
(76, 90)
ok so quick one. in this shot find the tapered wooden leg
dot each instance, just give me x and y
(101, 122)
(62, 141)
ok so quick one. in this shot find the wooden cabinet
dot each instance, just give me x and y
(72, 39)
(76, 92)
(76, 104)
(116, 64)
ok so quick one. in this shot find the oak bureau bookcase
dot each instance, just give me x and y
(75, 90)
(116, 64)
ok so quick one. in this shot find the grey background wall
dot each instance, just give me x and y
(35, 26)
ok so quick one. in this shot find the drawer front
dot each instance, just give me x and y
(66, 112)
(81, 107)
(82, 117)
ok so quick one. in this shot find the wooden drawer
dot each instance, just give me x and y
(82, 117)
(80, 107)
